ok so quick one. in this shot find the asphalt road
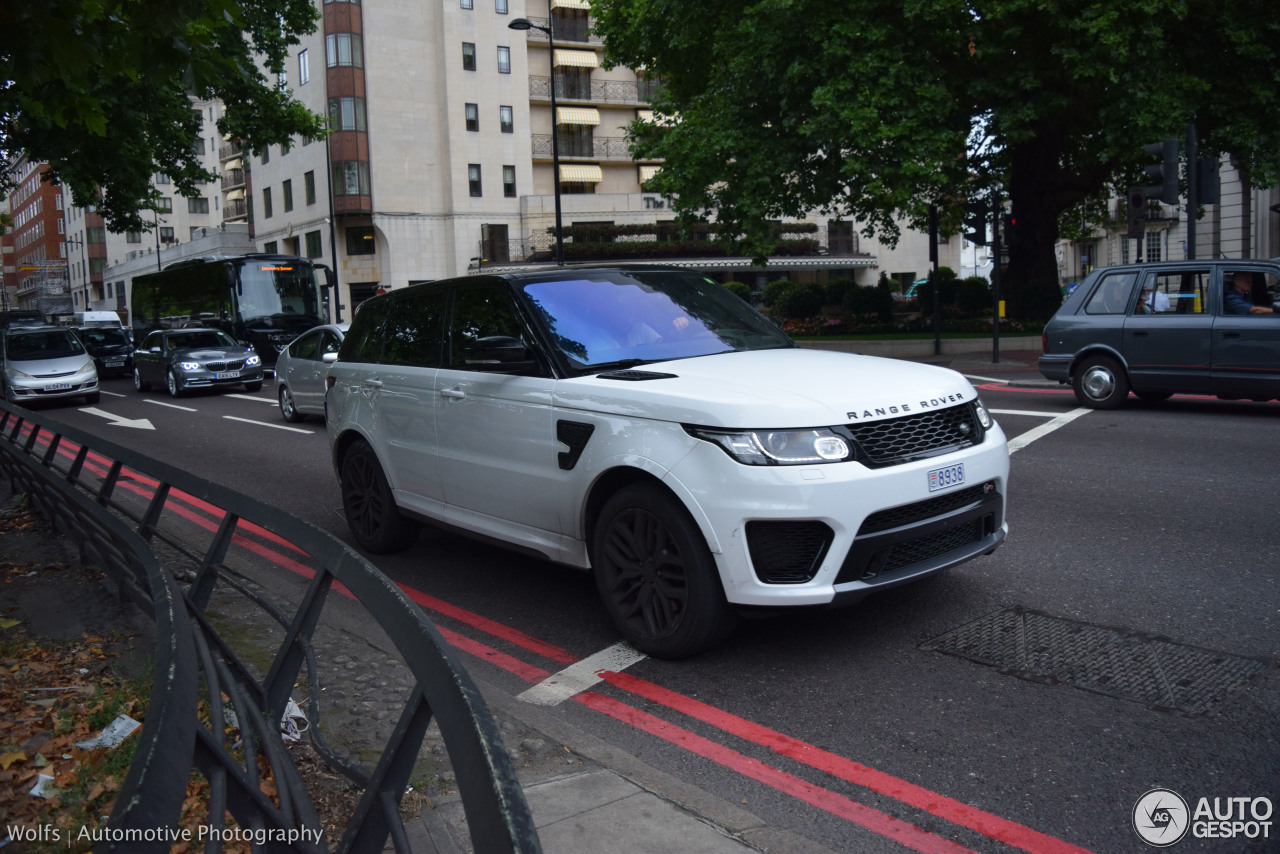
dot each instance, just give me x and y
(1143, 547)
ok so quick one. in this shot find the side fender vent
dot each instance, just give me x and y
(575, 435)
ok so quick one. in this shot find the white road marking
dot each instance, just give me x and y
(1032, 412)
(252, 397)
(987, 379)
(578, 677)
(115, 394)
(1019, 442)
(119, 420)
(267, 424)
(172, 405)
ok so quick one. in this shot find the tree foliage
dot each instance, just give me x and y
(875, 109)
(102, 89)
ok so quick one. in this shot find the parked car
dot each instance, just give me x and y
(183, 359)
(46, 363)
(301, 369)
(1161, 329)
(650, 426)
(110, 347)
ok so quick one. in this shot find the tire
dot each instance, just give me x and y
(656, 576)
(288, 410)
(1101, 383)
(372, 515)
(252, 386)
(175, 384)
(138, 382)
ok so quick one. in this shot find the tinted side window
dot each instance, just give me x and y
(414, 330)
(481, 312)
(364, 339)
(1111, 296)
(304, 347)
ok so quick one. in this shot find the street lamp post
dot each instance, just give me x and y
(526, 24)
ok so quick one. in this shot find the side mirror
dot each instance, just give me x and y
(329, 358)
(155, 349)
(503, 353)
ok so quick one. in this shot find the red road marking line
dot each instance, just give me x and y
(993, 826)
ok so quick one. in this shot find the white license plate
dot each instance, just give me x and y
(226, 375)
(945, 477)
(57, 386)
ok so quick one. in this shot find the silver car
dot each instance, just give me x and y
(47, 363)
(302, 367)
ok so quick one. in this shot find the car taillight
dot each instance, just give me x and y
(1044, 342)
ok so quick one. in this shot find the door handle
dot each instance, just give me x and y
(1139, 334)
(373, 383)
(456, 393)
(1231, 335)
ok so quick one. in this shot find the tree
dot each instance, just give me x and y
(101, 90)
(874, 109)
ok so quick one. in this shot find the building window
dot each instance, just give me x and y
(314, 249)
(473, 116)
(286, 190)
(473, 179)
(343, 49)
(346, 113)
(197, 231)
(468, 56)
(509, 181)
(304, 67)
(351, 178)
(197, 147)
(309, 187)
(265, 157)
(266, 203)
(504, 59)
(162, 178)
(468, 4)
(500, 6)
(271, 247)
(360, 240)
(164, 205)
(133, 237)
(506, 119)
(200, 205)
(166, 234)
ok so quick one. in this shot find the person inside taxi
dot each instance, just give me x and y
(1239, 296)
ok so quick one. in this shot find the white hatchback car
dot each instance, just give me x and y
(649, 425)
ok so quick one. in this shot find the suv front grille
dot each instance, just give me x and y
(900, 440)
(908, 514)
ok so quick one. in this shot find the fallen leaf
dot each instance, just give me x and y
(10, 758)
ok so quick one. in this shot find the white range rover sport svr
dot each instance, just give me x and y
(650, 426)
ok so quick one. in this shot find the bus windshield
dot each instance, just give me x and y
(277, 294)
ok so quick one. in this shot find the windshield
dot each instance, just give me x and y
(279, 294)
(46, 344)
(618, 318)
(107, 337)
(204, 339)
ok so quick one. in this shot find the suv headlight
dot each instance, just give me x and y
(984, 417)
(778, 447)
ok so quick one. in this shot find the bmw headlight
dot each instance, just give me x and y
(252, 361)
(778, 447)
(189, 366)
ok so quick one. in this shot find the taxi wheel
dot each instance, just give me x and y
(1101, 383)
(372, 515)
(656, 575)
(287, 409)
(138, 382)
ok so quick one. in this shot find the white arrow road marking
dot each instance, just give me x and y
(172, 405)
(252, 397)
(266, 424)
(578, 677)
(118, 420)
(1021, 441)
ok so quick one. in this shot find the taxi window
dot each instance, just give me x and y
(1186, 291)
(1111, 296)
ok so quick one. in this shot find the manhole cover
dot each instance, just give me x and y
(1120, 663)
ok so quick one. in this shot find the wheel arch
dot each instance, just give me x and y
(623, 476)
(1096, 350)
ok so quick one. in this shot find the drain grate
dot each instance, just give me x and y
(1121, 663)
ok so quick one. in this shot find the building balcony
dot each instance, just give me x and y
(231, 149)
(600, 148)
(233, 179)
(234, 209)
(573, 31)
(598, 92)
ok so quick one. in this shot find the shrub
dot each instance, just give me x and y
(864, 300)
(836, 290)
(772, 291)
(742, 289)
(974, 295)
(802, 299)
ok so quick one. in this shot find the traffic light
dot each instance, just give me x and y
(1208, 183)
(975, 223)
(1011, 235)
(1137, 213)
(1165, 172)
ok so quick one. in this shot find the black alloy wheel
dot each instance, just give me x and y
(372, 515)
(657, 577)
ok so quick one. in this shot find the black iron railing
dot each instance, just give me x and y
(212, 708)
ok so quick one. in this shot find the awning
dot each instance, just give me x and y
(576, 59)
(647, 172)
(235, 195)
(581, 174)
(233, 164)
(577, 116)
(584, 5)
